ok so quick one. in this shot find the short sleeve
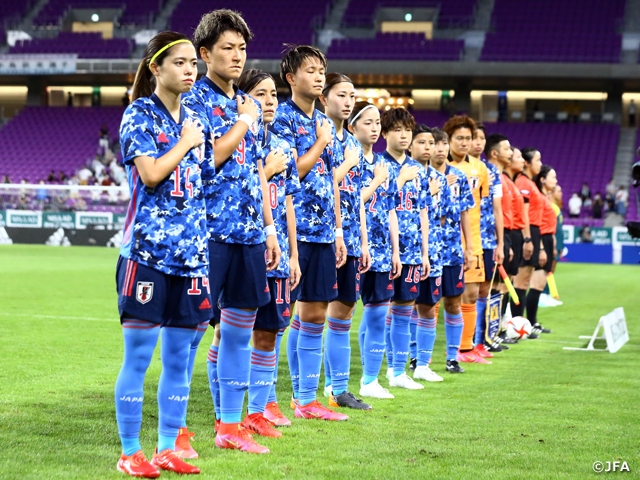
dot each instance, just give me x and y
(292, 182)
(485, 185)
(283, 127)
(136, 135)
(425, 191)
(466, 196)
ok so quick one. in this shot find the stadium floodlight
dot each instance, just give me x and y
(408, 17)
(95, 17)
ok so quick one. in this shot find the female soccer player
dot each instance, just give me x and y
(163, 266)
(321, 247)
(338, 97)
(379, 190)
(272, 319)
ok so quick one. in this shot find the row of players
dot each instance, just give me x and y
(223, 178)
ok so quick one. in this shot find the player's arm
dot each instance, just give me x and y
(465, 223)
(273, 249)
(294, 266)
(153, 170)
(380, 174)
(527, 248)
(341, 248)
(424, 227)
(351, 159)
(324, 136)
(275, 163)
(407, 173)
(396, 264)
(365, 260)
(497, 212)
(224, 146)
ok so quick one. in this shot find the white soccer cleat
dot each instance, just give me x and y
(405, 381)
(374, 390)
(327, 391)
(425, 373)
(389, 374)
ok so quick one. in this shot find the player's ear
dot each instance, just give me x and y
(205, 55)
(323, 100)
(290, 78)
(350, 128)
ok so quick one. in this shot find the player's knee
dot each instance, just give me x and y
(264, 340)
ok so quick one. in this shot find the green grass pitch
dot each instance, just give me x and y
(537, 412)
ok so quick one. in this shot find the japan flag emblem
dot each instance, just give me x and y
(144, 292)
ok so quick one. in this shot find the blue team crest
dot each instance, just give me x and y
(144, 292)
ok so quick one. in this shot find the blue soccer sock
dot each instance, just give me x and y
(373, 318)
(310, 360)
(173, 386)
(262, 366)
(362, 330)
(426, 334)
(140, 340)
(202, 329)
(234, 361)
(387, 339)
(481, 320)
(400, 337)
(292, 354)
(453, 330)
(212, 373)
(327, 365)
(413, 327)
(272, 390)
(338, 350)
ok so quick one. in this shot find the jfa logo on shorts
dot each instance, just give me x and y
(474, 182)
(144, 292)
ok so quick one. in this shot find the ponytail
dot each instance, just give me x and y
(157, 49)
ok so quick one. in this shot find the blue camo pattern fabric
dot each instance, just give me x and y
(280, 185)
(350, 195)
(439, 205)
(233, 191)
(165, 227)
(314, 204)
(487, 217)
(377, 210)
(411, 198)
(461, 201)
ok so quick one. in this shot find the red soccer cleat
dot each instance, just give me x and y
(257, 423)
(471, 357)
(316, 410)
(216, 426)
(137, 465)
(183, 448)
(482, 351)
(168, 460)
(273, 414)
(235, 437)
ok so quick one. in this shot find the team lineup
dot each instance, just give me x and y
(253, 216)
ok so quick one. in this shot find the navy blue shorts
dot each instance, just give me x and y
(407, 285)
(348, 278)
(319, 281)
(535, 238)
(376, 287)
(430, 291)
(452, 281)
(145, 293)
(276, 314)
(237, 276)
(489, 264)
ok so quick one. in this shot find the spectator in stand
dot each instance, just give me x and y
(585, 195)
(585, 235)
(97, 166)
(575, 205)
(622, 201)
(51, 178)
(125, 196)
(6, 179)
(84, 174)
(610, 196)
(41, 195)
(95, 196)
(63, 177)
(103, 137)
(598, 206)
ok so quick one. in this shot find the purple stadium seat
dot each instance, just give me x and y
(457, 13)
(86, 45)
(139, 12)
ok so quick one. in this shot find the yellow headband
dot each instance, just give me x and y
(167, 46)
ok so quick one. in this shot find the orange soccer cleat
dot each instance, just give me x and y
(316, 410)
(168, 460)
(482, 351)
(470, 357)
(273, 414)
(236, 437)
(183, 446)
(257, 423)
(137, 465)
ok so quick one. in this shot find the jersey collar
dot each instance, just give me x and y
(450, 158)
(390, 158)
(297, 109)
(160, 105)
(218, 90)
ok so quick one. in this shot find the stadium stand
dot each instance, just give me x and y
(86, 45)
(397, 46)
(575, 32)
(37, 140)
(362, 13)
(266, 21)
(139, 12)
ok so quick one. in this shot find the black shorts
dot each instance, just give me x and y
(452, 281)
(547, 243)
(430, 291)
(376, 287)
(513, 240)
(319, 282)
(349, 281)
(407, 285)
(489, 264)
(535, 238)
(276, 314)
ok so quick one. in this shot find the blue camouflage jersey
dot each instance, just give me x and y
(487, 217)
(377, 209)
(233, 192)
(439, 206)
(314, 204)
(280, 185)
(350, 195)
(165, 227)
(461, 201)
(411, 198)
